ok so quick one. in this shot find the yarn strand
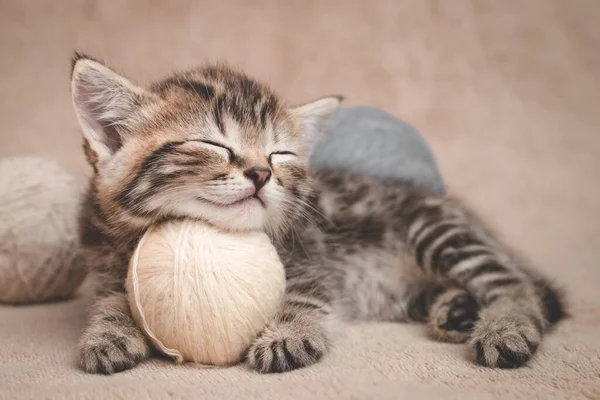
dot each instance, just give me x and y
(175, 354)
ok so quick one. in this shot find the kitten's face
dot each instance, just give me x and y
(210, 144)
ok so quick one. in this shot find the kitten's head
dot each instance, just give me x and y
(210, 144)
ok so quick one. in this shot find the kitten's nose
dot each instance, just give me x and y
(260, 176)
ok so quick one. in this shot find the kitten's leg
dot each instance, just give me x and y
(452, 245)
(450, 312)
(298, 337)
(111, 342)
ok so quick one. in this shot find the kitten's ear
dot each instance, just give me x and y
(313, 118)
(106, 105)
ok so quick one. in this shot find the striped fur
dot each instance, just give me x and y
(354, 248)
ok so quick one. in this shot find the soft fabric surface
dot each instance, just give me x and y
(376, 361)
(507, 94)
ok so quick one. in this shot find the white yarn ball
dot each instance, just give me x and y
(203, 295)
(39, 243)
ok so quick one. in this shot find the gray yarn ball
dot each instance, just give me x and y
(38, 231)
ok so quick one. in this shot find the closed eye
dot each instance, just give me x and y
(222, 146)
(281, 153)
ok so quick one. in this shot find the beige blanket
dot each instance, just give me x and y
(507, 92)
(379, 361)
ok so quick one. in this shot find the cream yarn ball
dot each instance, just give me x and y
(39, 243)
(201, 294)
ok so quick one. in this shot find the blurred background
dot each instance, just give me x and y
(507, 92)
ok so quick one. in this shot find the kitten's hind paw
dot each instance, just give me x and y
(505, 341)
(285, 347)
(452, 316)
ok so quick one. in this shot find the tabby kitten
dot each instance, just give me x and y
(214, 144)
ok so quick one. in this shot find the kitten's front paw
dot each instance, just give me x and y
(111, 352)
(284, 347)
(505, 341)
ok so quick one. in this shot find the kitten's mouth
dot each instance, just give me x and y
(253, 197)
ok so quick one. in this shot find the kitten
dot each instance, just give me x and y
(216, 145)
